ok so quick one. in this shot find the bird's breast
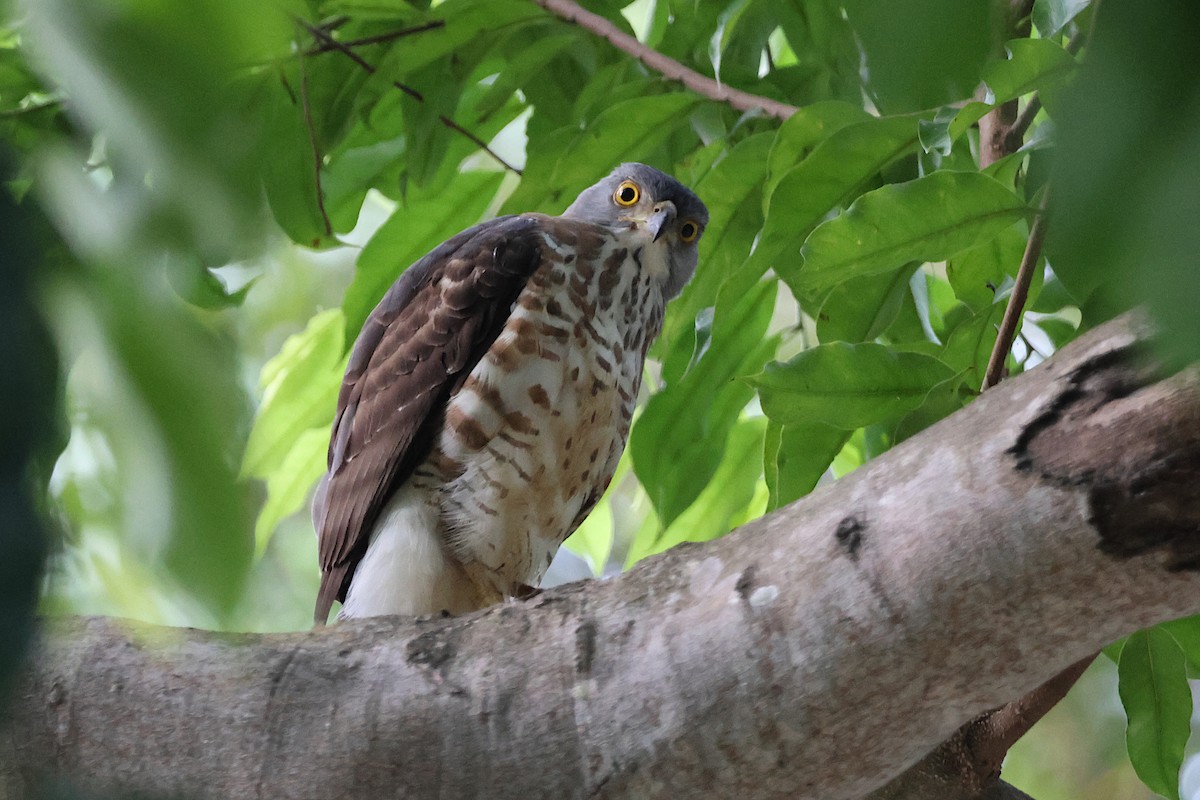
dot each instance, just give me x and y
(532, 438)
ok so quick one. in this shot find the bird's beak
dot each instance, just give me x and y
(661, 219)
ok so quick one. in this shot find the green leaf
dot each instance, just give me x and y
(465, 21)
(847, 386)
(1032, 65)
(159, 81)
(1152, 680)
(678, 441)
(414, 228)
(289, 483)
(928, 219)
(796, 456)
(1187, 634)
(804, 130)
(724, 500)
(625, 131)
(921, 53)
(593, 539)
(1051, 16)
(861, 309)
(970, 344)
(1124, 230)
(977, 274)
(732, 191)
(299, 387)
(828, 178)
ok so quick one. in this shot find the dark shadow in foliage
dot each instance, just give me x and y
(28, 400)
(1124, 221)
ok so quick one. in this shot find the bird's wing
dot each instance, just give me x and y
(415, 349)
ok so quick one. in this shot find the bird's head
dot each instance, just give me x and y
(644, 197)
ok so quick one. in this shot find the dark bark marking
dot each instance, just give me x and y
(1142, 483)
(849, 535)
(585, 646)
(745, 583)
(433, 649)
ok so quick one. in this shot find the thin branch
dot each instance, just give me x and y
(334, 45)
(379, 38)
(344, 48)
(314, 147)
(1016, 300)
(1021, 125)
(14, 113)
(1009, 723)
(667, 67)
(480, 143)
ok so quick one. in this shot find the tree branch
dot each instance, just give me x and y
(668, 67)
(328, 42)
(1017, 298)
(379, 38)
(314, 147)
(816, 653)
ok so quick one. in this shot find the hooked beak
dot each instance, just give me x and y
(661, 219)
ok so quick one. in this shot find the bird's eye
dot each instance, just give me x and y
(688, 231)
(627, 193)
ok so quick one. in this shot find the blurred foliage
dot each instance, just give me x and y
(28, 428)
(237, 185)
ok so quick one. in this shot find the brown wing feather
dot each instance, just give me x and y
(414, 351)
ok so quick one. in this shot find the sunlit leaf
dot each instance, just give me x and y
(299, 391)
(678, 441)
(847, 386)
(289, 483)
(1152, 674)
(725, 497)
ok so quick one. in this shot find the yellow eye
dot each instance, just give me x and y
(627, 193)
(688, 231)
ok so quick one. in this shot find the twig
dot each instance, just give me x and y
(1021, 125)
(333, 44)
(480, 143)
(1009, 723)
(667, 67)
(378, 38)
(314, 147)
(968, 763)
(344, 48)
(14, 113)
(1016, 300)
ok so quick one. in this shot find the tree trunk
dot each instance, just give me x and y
(816, 653)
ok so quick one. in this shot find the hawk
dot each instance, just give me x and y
(489, 395)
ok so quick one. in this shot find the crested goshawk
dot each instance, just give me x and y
(489, 395)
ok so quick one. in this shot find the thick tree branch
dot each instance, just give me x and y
(668, 67)
(816, 653)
